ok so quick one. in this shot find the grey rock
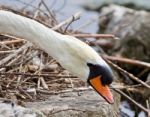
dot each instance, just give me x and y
(72, 104)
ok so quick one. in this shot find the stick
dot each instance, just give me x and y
(7, 52)
(67, 21)
(51, 15)
(133, 101)
(129, 61)
(43, 83)
(129, 74)
(3, 61)
(36, 75)
(107, 36)
(12, 41)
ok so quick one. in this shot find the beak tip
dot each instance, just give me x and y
(110, 100)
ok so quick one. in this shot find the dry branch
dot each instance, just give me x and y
(37, 75)
(7, 52)
(98, 36)
(6, 59)
(74, 17)
(129, 74)
(133, 101)
(12, 41)
(128, 61)
(50, 13)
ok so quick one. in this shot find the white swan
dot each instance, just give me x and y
(73, 54)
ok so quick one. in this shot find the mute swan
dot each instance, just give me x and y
(73, 54)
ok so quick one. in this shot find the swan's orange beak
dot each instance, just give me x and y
(104, 91)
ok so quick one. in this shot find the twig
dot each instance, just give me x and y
(2, 69)
(3, 61)
(22, 91)
(9, 82)
(4, 46)
(51, 15)
(37, 11)
(129, 74)
(106, 36)
(14, 60)
(30, 6)
(147, 104)
(73, 19)
(129, 61)
(43, 83)
(12, 41)
(133, 101)
(38, 83)
(18, 81)
(143, 72)
(67, 21)
(7, 52)
(36, 75)
(27, 58)
(121, 86)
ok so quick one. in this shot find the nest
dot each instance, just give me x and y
(28, 71)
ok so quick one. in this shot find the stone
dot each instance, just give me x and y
(77, 104)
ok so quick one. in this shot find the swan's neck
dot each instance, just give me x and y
(21, 27)
(55, 44)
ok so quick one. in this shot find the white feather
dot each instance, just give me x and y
(70, 52)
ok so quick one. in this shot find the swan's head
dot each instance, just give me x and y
(100, 77)
(84, 62)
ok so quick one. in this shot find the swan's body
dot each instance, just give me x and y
(70, 52)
